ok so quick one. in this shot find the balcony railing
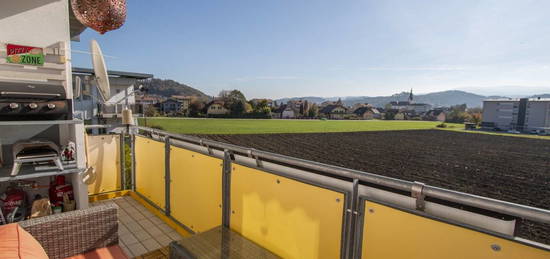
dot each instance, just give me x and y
(115, 110)
(302, 209)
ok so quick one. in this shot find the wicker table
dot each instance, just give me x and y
(217, 243)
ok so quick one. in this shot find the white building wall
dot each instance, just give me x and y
(500, 113)
(37, 23)
(504, 113)
(506, 116)
(538, 114)
(121, 88)
(288, 114)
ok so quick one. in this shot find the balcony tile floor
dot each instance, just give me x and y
(139, 230)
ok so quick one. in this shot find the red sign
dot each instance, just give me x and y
(19, 49)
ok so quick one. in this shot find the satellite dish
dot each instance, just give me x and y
(100, 71)
(77, 87)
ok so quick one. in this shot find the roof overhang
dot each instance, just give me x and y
(89, 71)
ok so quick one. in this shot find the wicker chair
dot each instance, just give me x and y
(76, 232)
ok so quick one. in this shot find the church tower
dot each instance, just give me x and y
(411, 96)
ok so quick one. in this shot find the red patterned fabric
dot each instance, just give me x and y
(100, 15)
(111, 252)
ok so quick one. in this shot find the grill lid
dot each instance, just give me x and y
(40, 91)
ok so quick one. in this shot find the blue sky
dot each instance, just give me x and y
(281, 48)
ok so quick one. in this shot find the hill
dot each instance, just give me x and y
(311, 99)
(167, 87)
(540, 95)
(445, 98)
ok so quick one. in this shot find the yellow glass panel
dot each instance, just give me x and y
(391, 233)
(196, 189)
(150, 169)
(103, 154)
(287, 217)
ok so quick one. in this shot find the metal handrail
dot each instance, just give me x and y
(503, 207)
(111, 108)
(102, 126)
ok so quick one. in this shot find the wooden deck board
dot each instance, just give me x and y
(157, 254)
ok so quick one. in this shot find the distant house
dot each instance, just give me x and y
(400, 105)
(410, 106)
(149, 99)
(435, 115)
(170, 106)
(367, 113)
(270, 103)
(289, 113)
(359, 105)
(185, 101)
(334, 111)
(277, 112)
(291, 110)
(400, 116)
(418, 108)
(300, 108)
(216, 107)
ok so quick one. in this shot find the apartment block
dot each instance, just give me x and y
(525, 114)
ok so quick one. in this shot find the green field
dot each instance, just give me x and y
(244, 126)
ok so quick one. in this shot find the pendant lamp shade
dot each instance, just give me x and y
(100, 15)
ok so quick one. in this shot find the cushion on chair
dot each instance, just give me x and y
(17, 243)
(110, 252)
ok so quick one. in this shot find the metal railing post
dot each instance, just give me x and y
(167, 175)
(123, 160)
(359, 226)
(133, 154)
(226, 189)
(351, 212)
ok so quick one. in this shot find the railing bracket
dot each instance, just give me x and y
(417, 192)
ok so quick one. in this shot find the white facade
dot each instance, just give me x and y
(288, 113)
(217, 109)
(122, 93)
(38, 24)
(508, 114)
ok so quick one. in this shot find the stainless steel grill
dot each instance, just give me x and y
(21, 101)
